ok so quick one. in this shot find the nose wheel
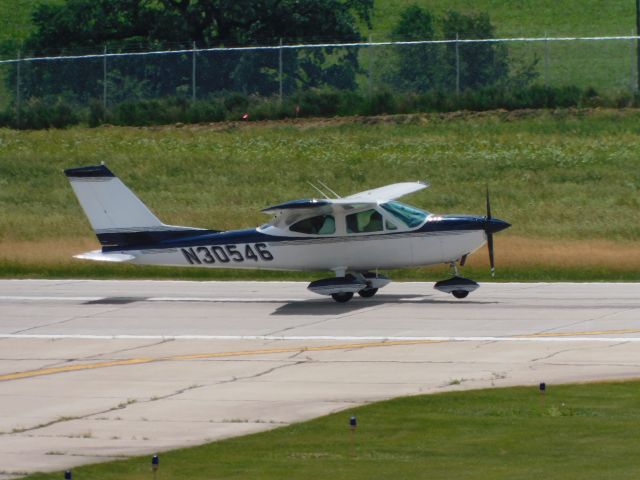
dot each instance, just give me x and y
(460, 293)
(457, 286)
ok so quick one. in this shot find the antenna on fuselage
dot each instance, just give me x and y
(321, 192)
(328, 188)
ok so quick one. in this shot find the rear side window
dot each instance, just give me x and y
(318, 225)
(367, 221)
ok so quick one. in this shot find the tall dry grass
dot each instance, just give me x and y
(511, 251)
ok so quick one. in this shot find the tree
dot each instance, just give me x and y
(80, 26)
(426, 67)
(417, 64)
(480, 63)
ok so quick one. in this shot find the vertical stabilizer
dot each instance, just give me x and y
(117, 215)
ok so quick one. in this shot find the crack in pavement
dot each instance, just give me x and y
(558, 352)
(579, 322)
(124, 405)
(60, 322)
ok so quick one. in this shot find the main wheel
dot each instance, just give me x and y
(368, 292)
(342, 297)
(460, 293)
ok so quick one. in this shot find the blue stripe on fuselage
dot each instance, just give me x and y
(177, 239)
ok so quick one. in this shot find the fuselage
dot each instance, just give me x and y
(439, 239)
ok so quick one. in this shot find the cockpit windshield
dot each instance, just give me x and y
(410, 216)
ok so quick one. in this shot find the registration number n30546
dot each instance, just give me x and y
(227, 253)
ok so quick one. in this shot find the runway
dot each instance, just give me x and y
(96, 370)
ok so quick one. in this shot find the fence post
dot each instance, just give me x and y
(18, 91)
(638, 42)
(546, 60)
(370, 66)
(457, 65)
(193, 73)
(280, 69)
(104, 80)
(632, 82)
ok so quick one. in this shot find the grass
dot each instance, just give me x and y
(567, 181)
(586, 431)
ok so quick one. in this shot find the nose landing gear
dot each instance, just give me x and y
(458, 286)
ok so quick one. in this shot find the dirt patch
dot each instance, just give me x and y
(399, 119)
(526, 252)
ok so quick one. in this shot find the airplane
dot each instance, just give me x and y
(353, 236)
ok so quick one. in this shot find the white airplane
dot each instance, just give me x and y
(353, 236)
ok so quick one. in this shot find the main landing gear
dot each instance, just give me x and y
(342, 288)
(342, 297)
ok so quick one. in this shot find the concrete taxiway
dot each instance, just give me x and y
(96, 370)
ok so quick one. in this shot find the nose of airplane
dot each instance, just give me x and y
(493, 225)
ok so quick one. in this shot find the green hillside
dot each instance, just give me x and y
(511, 17)
(15, 18)
(515, 18)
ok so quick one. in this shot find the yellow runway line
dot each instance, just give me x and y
(200, 356)
(577, 334)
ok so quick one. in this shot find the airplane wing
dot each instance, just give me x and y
(371, 198)
(384, 194)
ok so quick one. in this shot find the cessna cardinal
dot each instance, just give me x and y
(353, 236)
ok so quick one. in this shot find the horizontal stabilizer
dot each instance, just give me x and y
(99, 256)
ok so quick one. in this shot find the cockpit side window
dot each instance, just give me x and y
(367, 221)
(318, 225)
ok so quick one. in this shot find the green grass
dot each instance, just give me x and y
(530, 18)
(584, 431)
(561, 177)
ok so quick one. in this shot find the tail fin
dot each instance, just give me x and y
(118, 217)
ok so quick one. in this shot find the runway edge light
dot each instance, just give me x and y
(353, 423)
(67, 475)
(543, 387)
(155, 463)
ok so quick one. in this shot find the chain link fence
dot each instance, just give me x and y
(107, 79)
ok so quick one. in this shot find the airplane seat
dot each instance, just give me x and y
(328, 227)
